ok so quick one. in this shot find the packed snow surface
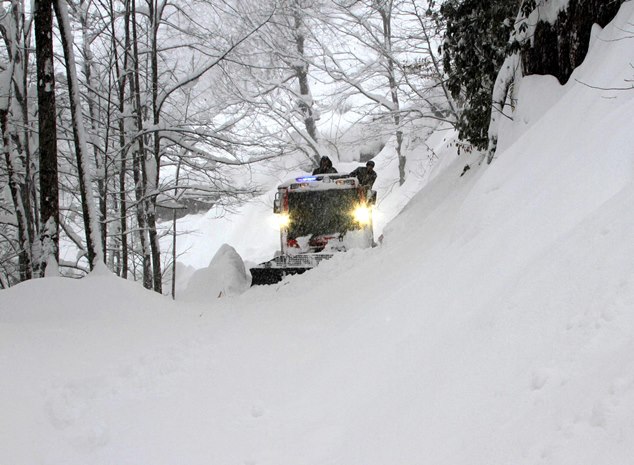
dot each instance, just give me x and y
(494, 325)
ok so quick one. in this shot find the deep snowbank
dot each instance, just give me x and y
(494, 326)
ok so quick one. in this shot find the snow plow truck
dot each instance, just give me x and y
(318, 216)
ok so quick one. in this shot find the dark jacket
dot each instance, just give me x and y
(325, 167)
(365, 177)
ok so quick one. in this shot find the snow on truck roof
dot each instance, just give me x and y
(320, 182)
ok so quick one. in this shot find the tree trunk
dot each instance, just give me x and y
(101, 166)
(138, 163)
(301, 72)
(94, 248)
(16, 188)
(386, 17)
(153, 174)
(49, 189)
(29, 193)
(121, 86)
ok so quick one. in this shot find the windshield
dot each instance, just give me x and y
(321, 212)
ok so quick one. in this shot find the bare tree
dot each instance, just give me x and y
(272, 77)
(382, 51)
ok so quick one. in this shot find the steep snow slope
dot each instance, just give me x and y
(495, 325)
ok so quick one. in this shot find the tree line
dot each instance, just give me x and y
(110, 109)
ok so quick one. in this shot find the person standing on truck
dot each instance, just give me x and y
(325, 167)
(365, 174)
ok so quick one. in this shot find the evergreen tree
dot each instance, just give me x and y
(558, 47)
(473, 50)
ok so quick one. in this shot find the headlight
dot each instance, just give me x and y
(363, 214)
(282, 220)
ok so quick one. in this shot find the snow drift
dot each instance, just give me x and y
(226, 275)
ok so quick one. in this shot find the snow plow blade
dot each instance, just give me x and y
(275, 270)
(266, 276)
